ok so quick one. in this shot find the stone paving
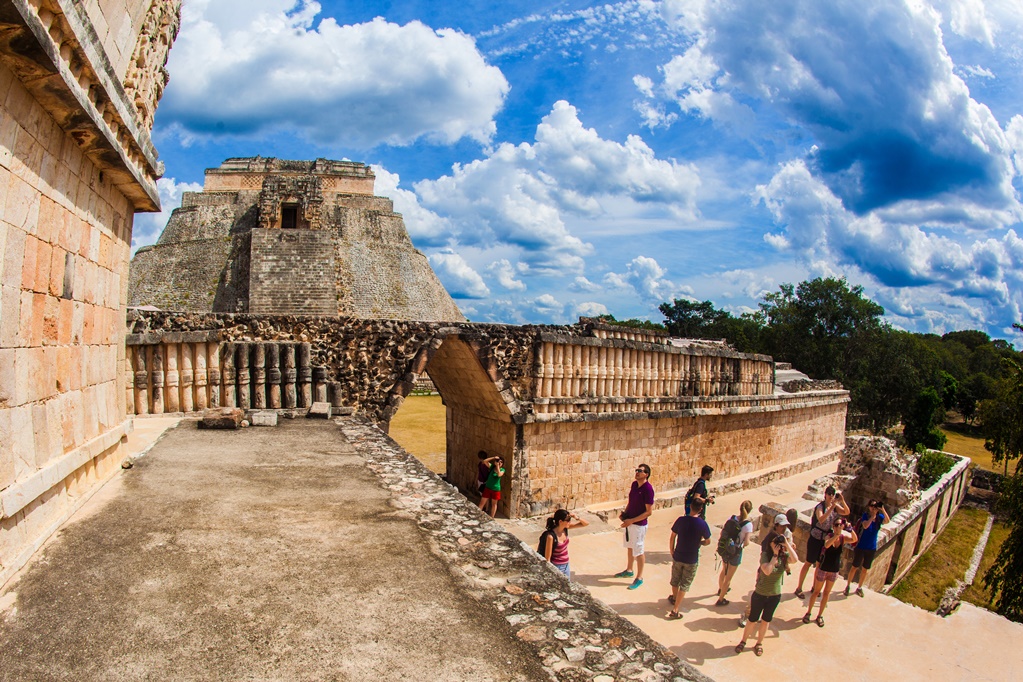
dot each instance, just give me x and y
(872, 638)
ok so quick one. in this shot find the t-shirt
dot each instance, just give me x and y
(639, 497)
(819, 528)
(769, 585)
(482, 472)
(868, 535)
(691, 531)
(700, 488)
(494, 478)
(745, 531)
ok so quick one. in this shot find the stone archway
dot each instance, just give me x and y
(479, 413)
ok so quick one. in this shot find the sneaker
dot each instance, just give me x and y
(742, 621)
(635, 583)
(623, 574)
(859, 591)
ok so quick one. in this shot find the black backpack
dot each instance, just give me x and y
(728, 542)
(543, 542)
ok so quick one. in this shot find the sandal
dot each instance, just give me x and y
(740, 646)
(758, 649)
(846, 591)
(820, 621)
(859, 591)
(671, 598)
(799, 593)
(806, 619)
(722, 602)
(674, 615)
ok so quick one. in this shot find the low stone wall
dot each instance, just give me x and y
(911, 531)
(575, 636)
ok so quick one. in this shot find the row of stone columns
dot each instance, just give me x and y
(190, 377)
(572, 371)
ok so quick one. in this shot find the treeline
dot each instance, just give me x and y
(830, 330)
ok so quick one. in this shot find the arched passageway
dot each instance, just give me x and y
(478, 416)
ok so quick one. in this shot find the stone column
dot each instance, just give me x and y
(156, 378)
(187, 377)
(227, 374)
(320, 384)
(290, 375)
(259, 376)
(244, 378)
(201, 378)
(129, 380)
(273, 374)
(548, 370)
(213, 355)
(602, 371)
(141, 380)
(335, 394)
(557, 387)
(305, 375)
(172, 397)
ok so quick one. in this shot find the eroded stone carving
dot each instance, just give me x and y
(147, 73)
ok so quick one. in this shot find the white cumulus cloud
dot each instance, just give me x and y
(148, 226)
(457, 275)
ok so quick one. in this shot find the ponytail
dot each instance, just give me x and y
(744, 510)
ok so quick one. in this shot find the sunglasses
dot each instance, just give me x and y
(642, 471)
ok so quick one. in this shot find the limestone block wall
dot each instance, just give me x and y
(467, 434)
(292, 271)
(191, 272)
(576, 464)
(76, 163)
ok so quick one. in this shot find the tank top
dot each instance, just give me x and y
(559, 554)
(832, 560)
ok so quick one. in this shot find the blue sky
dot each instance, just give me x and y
(556, 159)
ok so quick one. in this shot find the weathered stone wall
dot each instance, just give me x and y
(292, 271)
(193, 273)
(74, 167)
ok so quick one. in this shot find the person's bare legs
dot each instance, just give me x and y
(493, 508)
(483, 502)
(725, 579)
(824, 598)
(632, 560)
(640, 563)
(852, 575)
(761, 630)
(677, 596)
(817, 587)
(802, 575)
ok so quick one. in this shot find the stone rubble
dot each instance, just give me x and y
(575, 636)
(872, 467)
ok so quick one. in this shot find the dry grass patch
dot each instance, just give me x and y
(419, 427)
(945, 562)
(969, 446)
(977, 593)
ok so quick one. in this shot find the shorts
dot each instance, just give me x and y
(822, 576)
(733, 560)
(863, 557)
(489, 494)
(814, 547)
(634, 537)
(563, 568)
(762, 608)
(682, 575)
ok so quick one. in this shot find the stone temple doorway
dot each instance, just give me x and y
(476, 414)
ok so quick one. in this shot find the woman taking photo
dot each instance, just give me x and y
(827, 572)
(774, 564)
(554, 541)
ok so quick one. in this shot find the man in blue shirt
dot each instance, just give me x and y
(688, 534)
(866, 547)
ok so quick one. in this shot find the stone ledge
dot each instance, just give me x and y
(20, 494)
(575, 636)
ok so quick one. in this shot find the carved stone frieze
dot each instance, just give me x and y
(304, 190)
(147, 74)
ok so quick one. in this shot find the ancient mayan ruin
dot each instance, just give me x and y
(300, 237)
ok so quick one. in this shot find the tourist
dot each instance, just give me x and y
(866, 546)
(554, 541)
(830, 563)
(688, 534)
(492, 488)
(735, 535)
(634, 521)
(482, 472)
(699, 491)
(780, 529)
(821, 521)
(774, 564)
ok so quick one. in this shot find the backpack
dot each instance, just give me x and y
(689, 496)
(728, 542)
(543, 542)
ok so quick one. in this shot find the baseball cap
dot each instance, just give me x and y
(781, 520)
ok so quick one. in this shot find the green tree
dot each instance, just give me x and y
(920, 422)
(811, 324)
(691, 319)
(1001, 417)
(1005, 577)
(949, 390)
(886, 370)
(634, 323)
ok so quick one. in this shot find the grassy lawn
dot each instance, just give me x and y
(967, 445)
(419, 427)
(975, 593)
(945, 562)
